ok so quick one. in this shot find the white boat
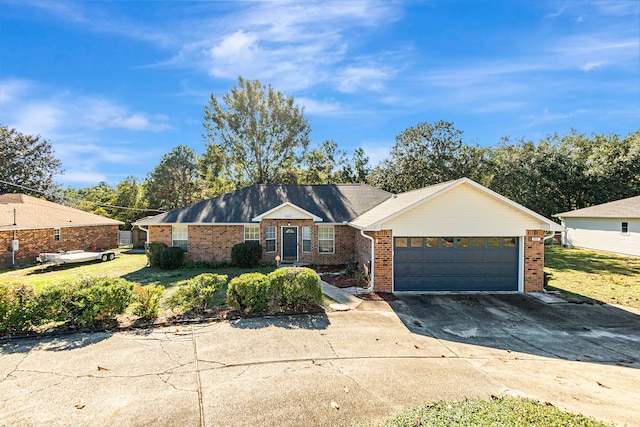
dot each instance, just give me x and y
(75, 256)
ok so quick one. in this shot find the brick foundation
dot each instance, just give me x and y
(534, 261)
(36, 241)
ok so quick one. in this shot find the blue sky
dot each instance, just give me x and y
(114, 85)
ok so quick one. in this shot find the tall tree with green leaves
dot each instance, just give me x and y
(262, 133)
(175, 182)
(424, 155)
(322, 164)
(28, 161)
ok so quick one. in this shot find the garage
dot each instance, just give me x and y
(423, 264)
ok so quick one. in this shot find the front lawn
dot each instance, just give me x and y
(503, 411)
(590, 276)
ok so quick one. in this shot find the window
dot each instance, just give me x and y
(624, 227)
(509, 242)
(251, 233)
(270, 240)
(402, 242)
(416, 242)
(306, 238)
(477, 242)
(462, 242)
(432, 242)
(180, 236)
(447, 242)
(326, 239)
(56, 234)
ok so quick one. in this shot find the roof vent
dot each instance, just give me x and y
(395, 196)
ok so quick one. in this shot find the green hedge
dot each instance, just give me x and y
(146, 301)
(283, 290)
(249, 293)
(197, 293)
(171, 258)
(80, 302)
(247, 254)
(154, 252)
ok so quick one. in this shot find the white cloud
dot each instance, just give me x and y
(315, 107)
(592, 65)
(354, 79)
(11, 90)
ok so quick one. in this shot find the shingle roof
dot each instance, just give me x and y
(334, 203)
(625, 208)
(32, 212)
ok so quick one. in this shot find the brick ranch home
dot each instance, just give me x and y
(42, 226)
(454, 236)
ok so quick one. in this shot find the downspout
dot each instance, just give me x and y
(146, 230)
(373, 261)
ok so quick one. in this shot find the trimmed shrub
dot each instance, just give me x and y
(171, 258)
(197, 293)
(249, 293)
(97, 299)
(294, 288)
(247, 254)
(154, 252)
(18, 308)
(146, 300)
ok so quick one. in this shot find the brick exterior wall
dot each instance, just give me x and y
(36, 241)
(534, 262)
(363, 253)
(383, 264)
(210, 243)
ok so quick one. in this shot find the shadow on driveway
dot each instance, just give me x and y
(520, 323)
(314, 321)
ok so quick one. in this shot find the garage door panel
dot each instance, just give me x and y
(465, 268)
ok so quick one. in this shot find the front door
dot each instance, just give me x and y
(290, 244)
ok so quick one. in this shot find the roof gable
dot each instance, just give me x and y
(405, 202)
(624, 208)
(287, 210)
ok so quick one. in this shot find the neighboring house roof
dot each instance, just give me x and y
(625, 208)
(403, 202)
(31, 212)
(332, 203)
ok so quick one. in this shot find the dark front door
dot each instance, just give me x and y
(290, 243)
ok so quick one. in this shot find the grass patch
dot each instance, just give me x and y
(593, 277)
(503, 411)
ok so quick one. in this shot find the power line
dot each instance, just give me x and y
(65, 198)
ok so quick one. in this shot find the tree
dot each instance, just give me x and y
(424, 155)
(322, 164)
(261, 132)
(28, 161)
(175, 182)
(129, 194)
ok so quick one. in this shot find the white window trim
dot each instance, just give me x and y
(180, 229)
(275, 238)
(333, 229)
(246, 227)
(57, 233)
(303, 239)
(624, 233)
(297, 241)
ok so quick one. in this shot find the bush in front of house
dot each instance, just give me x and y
(146, 300)
(294, 288)
(283, 290)
(96, 299)
(249, 293)
(18, 308)
(197, 293)
(154, 252)
(246, 255)
(171, 258)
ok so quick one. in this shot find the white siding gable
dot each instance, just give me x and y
(288, 212)
(463, 211)
(603, 234)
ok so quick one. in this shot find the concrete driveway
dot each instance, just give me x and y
(325, 369)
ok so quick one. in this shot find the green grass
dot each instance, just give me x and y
(590, 276)
(504, 411)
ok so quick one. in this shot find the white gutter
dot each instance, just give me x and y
(145, 230)
(373, 261)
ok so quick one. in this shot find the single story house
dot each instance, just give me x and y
(454, 236)
(612, 227)
(30, 226)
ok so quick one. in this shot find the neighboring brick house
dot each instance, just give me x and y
(42, 226)
(455, 236)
